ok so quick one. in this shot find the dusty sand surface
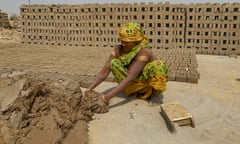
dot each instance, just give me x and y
(44, 106)
(214, 103)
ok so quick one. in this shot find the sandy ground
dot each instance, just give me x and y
(214, 102)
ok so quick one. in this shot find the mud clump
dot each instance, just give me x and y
(92, 101)
(35, 110)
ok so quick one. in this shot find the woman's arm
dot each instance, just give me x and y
(102, 75)
(134, 70)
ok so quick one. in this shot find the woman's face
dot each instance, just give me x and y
(127, 46)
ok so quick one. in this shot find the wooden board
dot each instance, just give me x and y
(176, 113)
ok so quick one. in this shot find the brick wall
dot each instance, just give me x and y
(208, 28)
(4, 22)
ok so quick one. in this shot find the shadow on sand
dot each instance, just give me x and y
(155, 99)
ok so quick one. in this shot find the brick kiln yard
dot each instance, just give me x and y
(58, 72)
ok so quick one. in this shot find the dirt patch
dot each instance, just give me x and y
(7, 35)
(42, 110)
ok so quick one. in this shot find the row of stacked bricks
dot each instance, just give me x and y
(214, 28)
(182, 64)
(208, 28)
(4, 22)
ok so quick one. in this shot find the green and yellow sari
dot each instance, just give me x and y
(153, 77)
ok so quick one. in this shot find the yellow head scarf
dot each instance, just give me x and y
(132, 32)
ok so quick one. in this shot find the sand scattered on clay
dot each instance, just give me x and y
(36, 110)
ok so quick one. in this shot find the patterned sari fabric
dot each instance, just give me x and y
(153, 77)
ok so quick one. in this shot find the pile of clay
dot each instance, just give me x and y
(42, 110)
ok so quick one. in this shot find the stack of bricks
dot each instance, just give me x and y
(213, 28)
(4, 22)
(209, 28)
(182, 64)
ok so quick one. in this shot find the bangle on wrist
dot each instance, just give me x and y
(104, 99)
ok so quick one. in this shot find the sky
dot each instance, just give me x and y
(12, 6)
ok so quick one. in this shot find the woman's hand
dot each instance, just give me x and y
(98, 102)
